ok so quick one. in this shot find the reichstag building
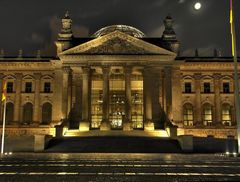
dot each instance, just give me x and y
(119, 79)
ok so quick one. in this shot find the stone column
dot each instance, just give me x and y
(217, 101)
(176, 97)
(65, 103)
(57, 107)
(197, 108)
(161, 100)
(69, 94)
(161, 88)
(105, 125)
(127, 125)
(156, 104)
(86, 98)
(1, 90)
(168, 91)
(78, 98)
(147, 87)
(17, 102)
(36, 117)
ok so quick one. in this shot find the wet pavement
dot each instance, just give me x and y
(118, 167)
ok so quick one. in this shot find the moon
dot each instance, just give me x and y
(197, 6)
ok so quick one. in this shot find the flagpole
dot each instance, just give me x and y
(4, 123)
(236, 85)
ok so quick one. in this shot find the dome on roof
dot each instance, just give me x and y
(122, 28)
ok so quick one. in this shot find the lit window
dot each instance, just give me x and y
(137, 108)
(28, 87)
(188, 87)
(96, 100)
(47, 87)
(188, 115)
(9, 87)
(226, 115)
(207, 115)
(206, 88)
(226, 88)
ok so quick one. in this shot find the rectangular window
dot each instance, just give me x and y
(28, 87)
(226, 88)
(188, 87)
(9, 87)
(206, 88)
(47, 87)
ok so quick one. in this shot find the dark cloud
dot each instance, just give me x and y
(33, 25)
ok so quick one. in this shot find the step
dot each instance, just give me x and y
(139, 133)
(114, 144)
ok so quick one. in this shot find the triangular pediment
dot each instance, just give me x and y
(117, 43)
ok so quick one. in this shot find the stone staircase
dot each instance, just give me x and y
(113, 144)
(115, 141)
(136, 133)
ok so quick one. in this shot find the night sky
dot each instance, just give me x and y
(34, 24)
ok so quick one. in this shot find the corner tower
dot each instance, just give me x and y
(65, 37)
(169, 38)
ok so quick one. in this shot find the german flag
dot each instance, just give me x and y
(4, 92)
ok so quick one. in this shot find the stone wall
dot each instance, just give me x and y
(204, 132)
(27, 131)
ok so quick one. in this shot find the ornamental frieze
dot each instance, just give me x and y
(116, 46)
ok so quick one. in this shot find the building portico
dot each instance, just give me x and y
(112, 97)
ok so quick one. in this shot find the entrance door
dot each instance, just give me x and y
(117, 106)
(116, 98)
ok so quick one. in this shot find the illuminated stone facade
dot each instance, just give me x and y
(119, 80)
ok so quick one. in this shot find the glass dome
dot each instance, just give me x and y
(122, 28)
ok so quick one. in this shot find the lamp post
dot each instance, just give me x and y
(236, 85)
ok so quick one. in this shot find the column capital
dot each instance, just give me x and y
(147, 71)
(19, 75)
(128, 70)
(66, 69)
(37, 76)
(167, 70)
(217, 76)
(85, 69)
(105, 70)
(197, 76)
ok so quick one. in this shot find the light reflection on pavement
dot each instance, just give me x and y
(118, 167)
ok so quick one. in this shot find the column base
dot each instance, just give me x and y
(34, 124)
(127, 126)
(172, 131)
(149, 126)
(14, 123)
(105, 126)
(59, 131)
(84, 126)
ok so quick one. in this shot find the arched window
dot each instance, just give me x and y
(187, 115)
(9, 112)
(207, 115)
(46, 113)
(27, 113)
(226, 115)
